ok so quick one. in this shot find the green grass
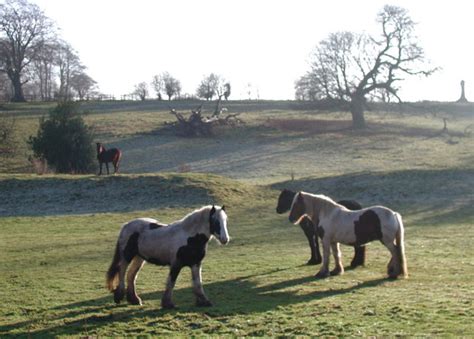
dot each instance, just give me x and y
(58, 232)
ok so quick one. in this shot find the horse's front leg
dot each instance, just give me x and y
(166, 301)
(107, 166)
(324, 271)
(100, 167)
(201, 299)
(336, 252)
(310, 232)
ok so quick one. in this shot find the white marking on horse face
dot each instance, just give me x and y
(224, 236)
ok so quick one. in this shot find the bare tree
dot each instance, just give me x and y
(167, 84)
(227, 90)
(69, 65)
(348, 66)
(23, 30)
(82, 84)
(141, 90)
(158, 85)
(212, 85)
(43, 68)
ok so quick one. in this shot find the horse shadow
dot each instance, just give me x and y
(238, 296)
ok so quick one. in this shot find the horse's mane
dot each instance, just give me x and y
(196, 217)
(325, 203)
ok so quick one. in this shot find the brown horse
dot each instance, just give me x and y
(112, 155)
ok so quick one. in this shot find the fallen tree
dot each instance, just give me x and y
(196, 124)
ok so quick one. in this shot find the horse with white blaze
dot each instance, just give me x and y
(179, 244)
(337, 224)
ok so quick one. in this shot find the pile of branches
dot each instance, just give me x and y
(198, 125)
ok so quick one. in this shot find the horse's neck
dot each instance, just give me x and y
(195, 222)
(322, 207)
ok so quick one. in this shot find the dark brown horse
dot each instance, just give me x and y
(112, 155)
(284, 204)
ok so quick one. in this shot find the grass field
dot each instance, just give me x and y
(58, 232)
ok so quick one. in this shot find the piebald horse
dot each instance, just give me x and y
(337, 224)
(179, 244)
(112, 155)
(284, 203)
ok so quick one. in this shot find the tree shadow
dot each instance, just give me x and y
(236, 296)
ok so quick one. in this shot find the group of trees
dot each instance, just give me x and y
(34, 60)
(352, 68)
(211, 86)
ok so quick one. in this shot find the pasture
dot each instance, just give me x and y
(58, 232)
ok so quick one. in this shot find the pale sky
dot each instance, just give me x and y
(265, 43)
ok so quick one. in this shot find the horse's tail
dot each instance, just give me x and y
(112, 274)
(400, 242)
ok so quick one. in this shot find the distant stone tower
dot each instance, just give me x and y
(463, 95)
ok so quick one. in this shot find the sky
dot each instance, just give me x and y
(261, 46)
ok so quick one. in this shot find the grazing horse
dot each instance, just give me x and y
(338, 224)
(284, 203)
(182, 243)
(112, 155)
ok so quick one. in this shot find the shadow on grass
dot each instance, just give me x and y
(231, 297)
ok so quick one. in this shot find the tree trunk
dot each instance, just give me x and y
(17, 88)
(357, 111)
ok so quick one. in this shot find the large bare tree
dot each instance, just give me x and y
(213, 85)
(349, 67)
(23, 30)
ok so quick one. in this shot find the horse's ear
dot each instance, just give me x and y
(213, 210)
(223, 207)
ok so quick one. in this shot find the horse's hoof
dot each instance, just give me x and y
(203, 303)
(355, 264)
(118, 295)
(167, 305)
(336, 271)
(134, 300)
(314, 261)
(322, 275)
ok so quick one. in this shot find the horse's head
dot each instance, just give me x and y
(298, 208)
(100, 148)
(284, 201)
(218, 224)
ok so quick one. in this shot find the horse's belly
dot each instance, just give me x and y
(153, 253)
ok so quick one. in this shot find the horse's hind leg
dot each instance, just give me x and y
(119, 292)
(359, 256)
(393, 267)
(116, 166)
(135, 266)
(201, 299)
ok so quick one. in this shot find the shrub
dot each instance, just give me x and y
(7, 137)
(65, 141)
